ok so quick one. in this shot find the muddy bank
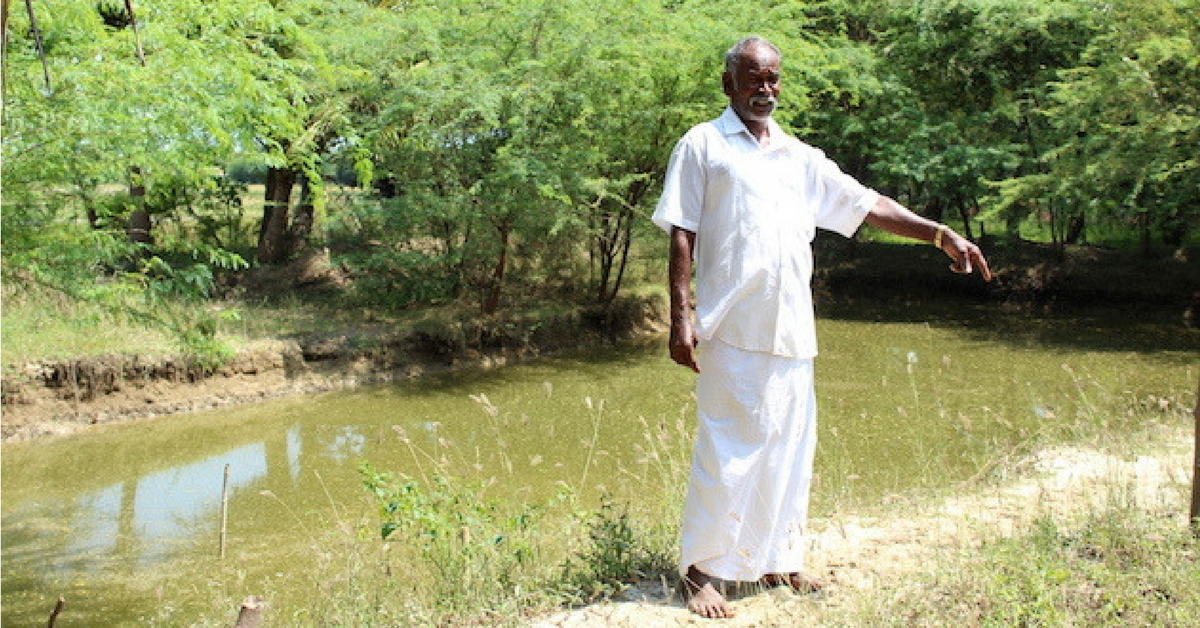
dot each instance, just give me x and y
(52, 397)
(852, 279)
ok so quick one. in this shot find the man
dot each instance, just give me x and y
(742, 200)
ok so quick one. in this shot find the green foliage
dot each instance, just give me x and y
(473, 550)
(617, 554)
(1128, 114)
(521, 145)
(163, 287)
(1119, 569)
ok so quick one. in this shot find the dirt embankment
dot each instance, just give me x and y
(51, 397)
(59, 396)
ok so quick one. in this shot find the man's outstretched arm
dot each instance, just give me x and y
(895, 218)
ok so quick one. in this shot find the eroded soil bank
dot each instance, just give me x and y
(51, 397)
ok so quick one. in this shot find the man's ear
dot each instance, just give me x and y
(727, 83)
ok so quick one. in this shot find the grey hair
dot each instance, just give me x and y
(735, 52)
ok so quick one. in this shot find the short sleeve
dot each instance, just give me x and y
(843, 202)
(682, 199)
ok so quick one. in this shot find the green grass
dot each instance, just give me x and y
(451, 550)
(457, 556)
(39, 325)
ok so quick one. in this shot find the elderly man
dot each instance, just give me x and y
(742, 201)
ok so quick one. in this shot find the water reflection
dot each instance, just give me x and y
(92, 529)
(140, 523)
(87, 510)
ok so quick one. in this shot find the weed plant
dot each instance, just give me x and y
(457, 549)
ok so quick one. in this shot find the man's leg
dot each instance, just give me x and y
(702, 597)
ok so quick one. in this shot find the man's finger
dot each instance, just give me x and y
(984, 269)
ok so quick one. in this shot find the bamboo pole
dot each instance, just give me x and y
(224, 511)
(137, 36)
(3, 30)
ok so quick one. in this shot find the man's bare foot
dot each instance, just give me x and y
(703, 598)
(799, 582)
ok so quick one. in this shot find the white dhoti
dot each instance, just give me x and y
(747, 498)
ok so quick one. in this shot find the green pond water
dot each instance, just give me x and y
(124, 521)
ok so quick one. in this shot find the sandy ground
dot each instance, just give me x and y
(859, 553)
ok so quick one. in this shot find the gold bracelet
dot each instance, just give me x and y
(937, 237)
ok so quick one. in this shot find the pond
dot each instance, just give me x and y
(126, 521)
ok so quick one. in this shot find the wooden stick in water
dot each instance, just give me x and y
(224, 511)
(57, 609)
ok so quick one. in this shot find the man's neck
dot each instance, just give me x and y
(761, 130)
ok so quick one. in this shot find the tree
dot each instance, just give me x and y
(964, 81)
(1128, 118)
(122, 110)
(640, 96)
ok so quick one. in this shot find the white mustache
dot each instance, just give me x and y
(762, 100)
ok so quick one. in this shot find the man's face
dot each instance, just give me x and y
(753, 87)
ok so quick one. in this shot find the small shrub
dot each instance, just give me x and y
(617, 555)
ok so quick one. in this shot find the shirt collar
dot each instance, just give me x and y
(730, 124)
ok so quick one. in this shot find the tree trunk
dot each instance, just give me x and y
(605, 247)
(492, 302)
(614, 238)
(936, 209)
(966, 217)
(627, 237)
(1012, 225)
(137, 36)
(1144, 223)
(140, 224)
(3, 46)
(37, 40)
(302, 223)
(273, 233)
(614, 253)
(1076, 227)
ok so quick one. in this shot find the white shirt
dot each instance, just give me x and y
(755, 211)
